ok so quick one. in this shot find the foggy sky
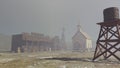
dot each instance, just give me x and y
(50, 16)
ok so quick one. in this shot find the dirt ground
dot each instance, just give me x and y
(54, 60)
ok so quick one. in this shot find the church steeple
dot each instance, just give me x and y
(79, 27)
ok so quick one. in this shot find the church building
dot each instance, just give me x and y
(81, 41)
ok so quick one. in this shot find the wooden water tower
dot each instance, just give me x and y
(108, 42)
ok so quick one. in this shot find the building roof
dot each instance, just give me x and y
(80, 31)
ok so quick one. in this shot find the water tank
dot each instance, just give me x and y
(111, 14)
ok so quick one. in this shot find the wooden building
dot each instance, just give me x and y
(81, 41)
(33, 42)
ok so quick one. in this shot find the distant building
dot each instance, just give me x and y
(81, 41)
(33, 42)
(5, 42)
(56, 44)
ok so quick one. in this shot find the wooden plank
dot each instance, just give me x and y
(113, 40)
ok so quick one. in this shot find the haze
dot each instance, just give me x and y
(50, 16)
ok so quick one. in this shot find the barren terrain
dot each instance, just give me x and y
(53, 60)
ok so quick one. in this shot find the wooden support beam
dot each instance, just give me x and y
(113, 40)
(108, 34)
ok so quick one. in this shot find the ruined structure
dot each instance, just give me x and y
(33, 42)
(81, 41)
(56, 43)
(63, 45)
(108, 43)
